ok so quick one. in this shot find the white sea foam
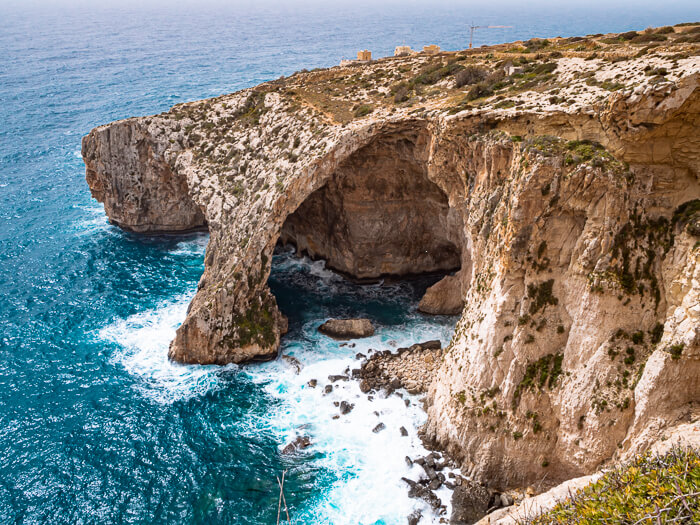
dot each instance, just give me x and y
(368, 465)
(195, 244)
(143, 341)
(96, 220)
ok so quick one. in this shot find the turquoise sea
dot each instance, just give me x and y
(96, 426)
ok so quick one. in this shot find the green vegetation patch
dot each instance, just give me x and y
(541, 295)
(688, 214)
(363, 110)
(543, 372)
(253, 109)
(651, 489)
(676, 350)
(580, 151)
(257, 325)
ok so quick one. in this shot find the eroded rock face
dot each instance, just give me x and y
(570, 317)
(129, 171)
(380, 214)
(571, 226)
(445, 297)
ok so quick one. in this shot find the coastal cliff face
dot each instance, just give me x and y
(559, 181)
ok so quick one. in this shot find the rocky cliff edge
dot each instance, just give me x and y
(557, 179)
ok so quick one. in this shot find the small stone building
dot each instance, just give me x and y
(432, 49)
(402, 51)
(364, 55)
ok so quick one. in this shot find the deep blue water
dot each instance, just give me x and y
(95, 424)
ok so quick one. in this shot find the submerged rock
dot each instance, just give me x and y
(414, 517)
(298, 444)
(347, 328)
(345, 407)
(293, 362)
(379, 428)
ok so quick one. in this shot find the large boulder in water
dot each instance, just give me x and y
(444, 297)
(347, 328)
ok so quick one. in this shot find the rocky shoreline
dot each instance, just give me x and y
(406, 372)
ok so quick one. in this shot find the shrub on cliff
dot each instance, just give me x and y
(470, 75)
(651, 489)
(363, 110)
(434, 73)
(535, 44)
(479, 90)
(649, 37)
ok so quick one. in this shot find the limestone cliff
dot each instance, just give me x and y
(558, 178)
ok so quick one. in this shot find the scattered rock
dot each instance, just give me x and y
(403, 431)
(379, 428)
(414, 517)
(346, 407)
(299, 443)
(506, 500)
(417, 490)
(409, 461)
(335, 378)
(312, 383)
(347, 328)
(328, 389)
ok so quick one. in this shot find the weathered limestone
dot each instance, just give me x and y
(128, 170)
(571, 225)
(444, 297)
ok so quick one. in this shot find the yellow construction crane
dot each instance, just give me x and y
(473, 27)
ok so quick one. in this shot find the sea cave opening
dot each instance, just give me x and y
(380, 217)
